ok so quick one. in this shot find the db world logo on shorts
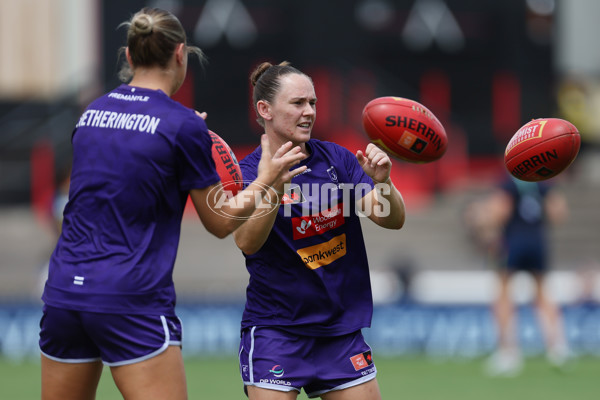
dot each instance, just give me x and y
(221, 201)
(277, 371)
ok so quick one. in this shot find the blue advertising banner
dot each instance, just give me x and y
(398, 330)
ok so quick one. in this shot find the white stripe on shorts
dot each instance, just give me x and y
(147, 356)
(250, 364)
(71, 360)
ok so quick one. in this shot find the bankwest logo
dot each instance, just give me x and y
(324, 253)
(324, 221)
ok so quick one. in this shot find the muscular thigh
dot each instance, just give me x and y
(158, 378)
(257, 393)
(62, 380)
(365, 391)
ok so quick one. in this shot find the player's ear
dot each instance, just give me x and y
(264, 110)
(180, 53)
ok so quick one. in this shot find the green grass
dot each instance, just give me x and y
(399, 378)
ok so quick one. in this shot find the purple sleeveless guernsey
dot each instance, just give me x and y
(136, 155)
(311, 277)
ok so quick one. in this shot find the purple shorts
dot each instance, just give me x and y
(279, 360)
(78, 336)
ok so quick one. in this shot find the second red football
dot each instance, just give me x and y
(542, 149)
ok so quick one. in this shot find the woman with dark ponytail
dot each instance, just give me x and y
(309, 294)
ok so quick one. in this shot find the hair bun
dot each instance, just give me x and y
(259, 71)
(143, 24)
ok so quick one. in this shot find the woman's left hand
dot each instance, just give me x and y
(375, 162)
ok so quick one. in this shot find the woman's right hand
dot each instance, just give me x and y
(274, 169)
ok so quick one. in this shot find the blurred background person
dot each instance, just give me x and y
(522, 213)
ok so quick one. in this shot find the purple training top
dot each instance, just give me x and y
(311, 277)
(136, 155)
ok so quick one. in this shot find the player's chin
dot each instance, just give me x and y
(303, 132)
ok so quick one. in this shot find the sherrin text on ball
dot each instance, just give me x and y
(227, 164)
(542, 149)
(405, 129)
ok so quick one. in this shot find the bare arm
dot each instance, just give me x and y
(556, 207)
(251, 236)
(384, 204)
(499, 208)
(222, 217)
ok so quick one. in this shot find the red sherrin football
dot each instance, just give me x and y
(227, 165)
(405, 129)
(542, 149)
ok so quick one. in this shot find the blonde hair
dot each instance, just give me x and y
(152, 36)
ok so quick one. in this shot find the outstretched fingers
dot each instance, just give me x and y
(275, 166)
(375, 162)
(292, 157)
(376, 156)
(283, 149)
(288, 156)
(296, 172)
(380, 159)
